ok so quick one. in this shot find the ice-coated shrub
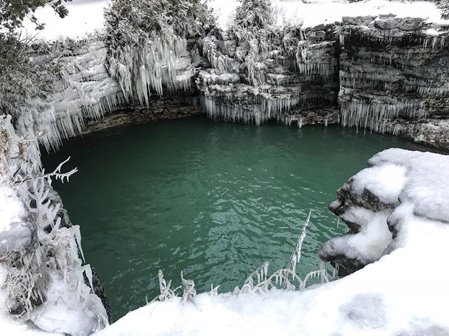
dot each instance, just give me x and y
(147, 41)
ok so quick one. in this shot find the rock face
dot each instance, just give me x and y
(392, 68)
(384, 73)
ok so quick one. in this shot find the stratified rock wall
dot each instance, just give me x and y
(392, 68)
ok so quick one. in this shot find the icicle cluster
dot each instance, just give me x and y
(249, 108)
(316, 59)
(391, 68)
(160, 61)
(84, 91)
(375, 115)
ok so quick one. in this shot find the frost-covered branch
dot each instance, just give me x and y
(57, 174)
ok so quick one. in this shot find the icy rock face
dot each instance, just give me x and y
(375, 202)
(271, 78)
(392, 68)
(432, 131)
(84, 91)
(161, 62)
(44, 282)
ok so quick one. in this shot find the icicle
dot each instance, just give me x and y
(373, 115)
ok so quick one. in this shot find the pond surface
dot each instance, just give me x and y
(213, 200)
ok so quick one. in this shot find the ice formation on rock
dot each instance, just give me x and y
(391, 68)
(258, 77)
(84, 91)
(381, 70)
(41, 268)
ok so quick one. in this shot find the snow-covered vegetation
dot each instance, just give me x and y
(260, 70)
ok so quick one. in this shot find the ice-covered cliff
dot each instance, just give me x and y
(393, 71)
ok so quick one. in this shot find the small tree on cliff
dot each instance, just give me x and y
(254, 14)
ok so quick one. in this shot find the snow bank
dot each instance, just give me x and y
(11, 210)
(386, 181)
(426, 188)
(404, 293)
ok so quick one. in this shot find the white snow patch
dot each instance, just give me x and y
(385, 181)
(427, 185)
(84, 17)
(370, 243)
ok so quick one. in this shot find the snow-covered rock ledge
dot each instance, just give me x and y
(400, 209)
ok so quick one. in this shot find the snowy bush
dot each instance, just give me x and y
(13, 12)
(254, 14)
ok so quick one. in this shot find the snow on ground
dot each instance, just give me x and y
(404, 293)
(86, 16)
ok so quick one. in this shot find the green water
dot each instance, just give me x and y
(214, 200)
